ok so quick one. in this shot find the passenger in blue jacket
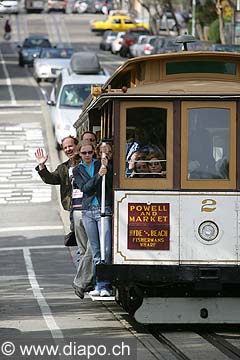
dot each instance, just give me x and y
(88, 177)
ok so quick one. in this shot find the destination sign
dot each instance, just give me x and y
(148, 226)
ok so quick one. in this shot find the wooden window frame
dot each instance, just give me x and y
(146, 183)
(211, 184)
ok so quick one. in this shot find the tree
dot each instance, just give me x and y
(219, 8)
(205, 15)
(155, 9)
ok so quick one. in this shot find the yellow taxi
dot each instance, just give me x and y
(117, 23)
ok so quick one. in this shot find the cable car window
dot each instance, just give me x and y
(208, 143)
(146, 131)
(208, 67)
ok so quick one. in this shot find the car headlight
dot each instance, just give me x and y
(208, 230)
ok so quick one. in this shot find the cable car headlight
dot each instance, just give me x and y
(208, 230)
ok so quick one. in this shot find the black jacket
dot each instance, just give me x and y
(92, 186)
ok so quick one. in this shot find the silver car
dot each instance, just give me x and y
(50, 62)
(9, 7)
(67, 97)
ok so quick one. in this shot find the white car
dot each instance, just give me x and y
(67, 97)
(50, 62)
(80, 7)
(117, 43)
(9, 7)
(136, 49)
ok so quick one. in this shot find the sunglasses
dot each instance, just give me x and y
(87, 152)
(154, 163)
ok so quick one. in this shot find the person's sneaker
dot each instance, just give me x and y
(104, 293)
(94, 293)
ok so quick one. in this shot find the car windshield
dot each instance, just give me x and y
(74, 95)
(54, 53)
(33, 43)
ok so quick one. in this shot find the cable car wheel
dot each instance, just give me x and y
(129, 297)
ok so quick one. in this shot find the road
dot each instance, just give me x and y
(36, 270)
(37, 303)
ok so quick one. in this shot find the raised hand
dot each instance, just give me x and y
(40, 157)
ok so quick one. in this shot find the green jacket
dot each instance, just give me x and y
(60, 176)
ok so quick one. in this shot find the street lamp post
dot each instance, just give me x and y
(194, 17)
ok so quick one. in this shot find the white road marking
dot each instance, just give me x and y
(45, 309)
(20, 107)
(37, 247)
(31, 228)
(19, 181)
(8, 80)
(7, 112)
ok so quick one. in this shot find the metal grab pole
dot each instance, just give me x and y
(102, 235)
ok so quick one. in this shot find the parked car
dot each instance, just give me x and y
(9, 7)
(80, 6)
(168, 22)
(225, 47)
(56, 5)
(134, 49)
(31, 48)
(166, 45)
(199, 45)
(149, 45)
(117, 23)
(142, 45)
(50, 62)
(130, 38)
(117, 43)
(70, 90)
(107, 39)
(96, 6)
(34, 6)
(92, 6)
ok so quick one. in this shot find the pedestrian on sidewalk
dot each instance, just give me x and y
(7, 30)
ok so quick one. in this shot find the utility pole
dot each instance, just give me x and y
(194, 17)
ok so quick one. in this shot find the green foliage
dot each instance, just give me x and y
(213, 33)
(206, 13)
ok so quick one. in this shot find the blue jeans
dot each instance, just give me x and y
(92, 223)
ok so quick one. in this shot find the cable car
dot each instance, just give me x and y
(173, 120)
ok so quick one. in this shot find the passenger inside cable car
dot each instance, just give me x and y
(145, 142)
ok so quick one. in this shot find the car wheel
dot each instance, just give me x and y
(38, 80)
